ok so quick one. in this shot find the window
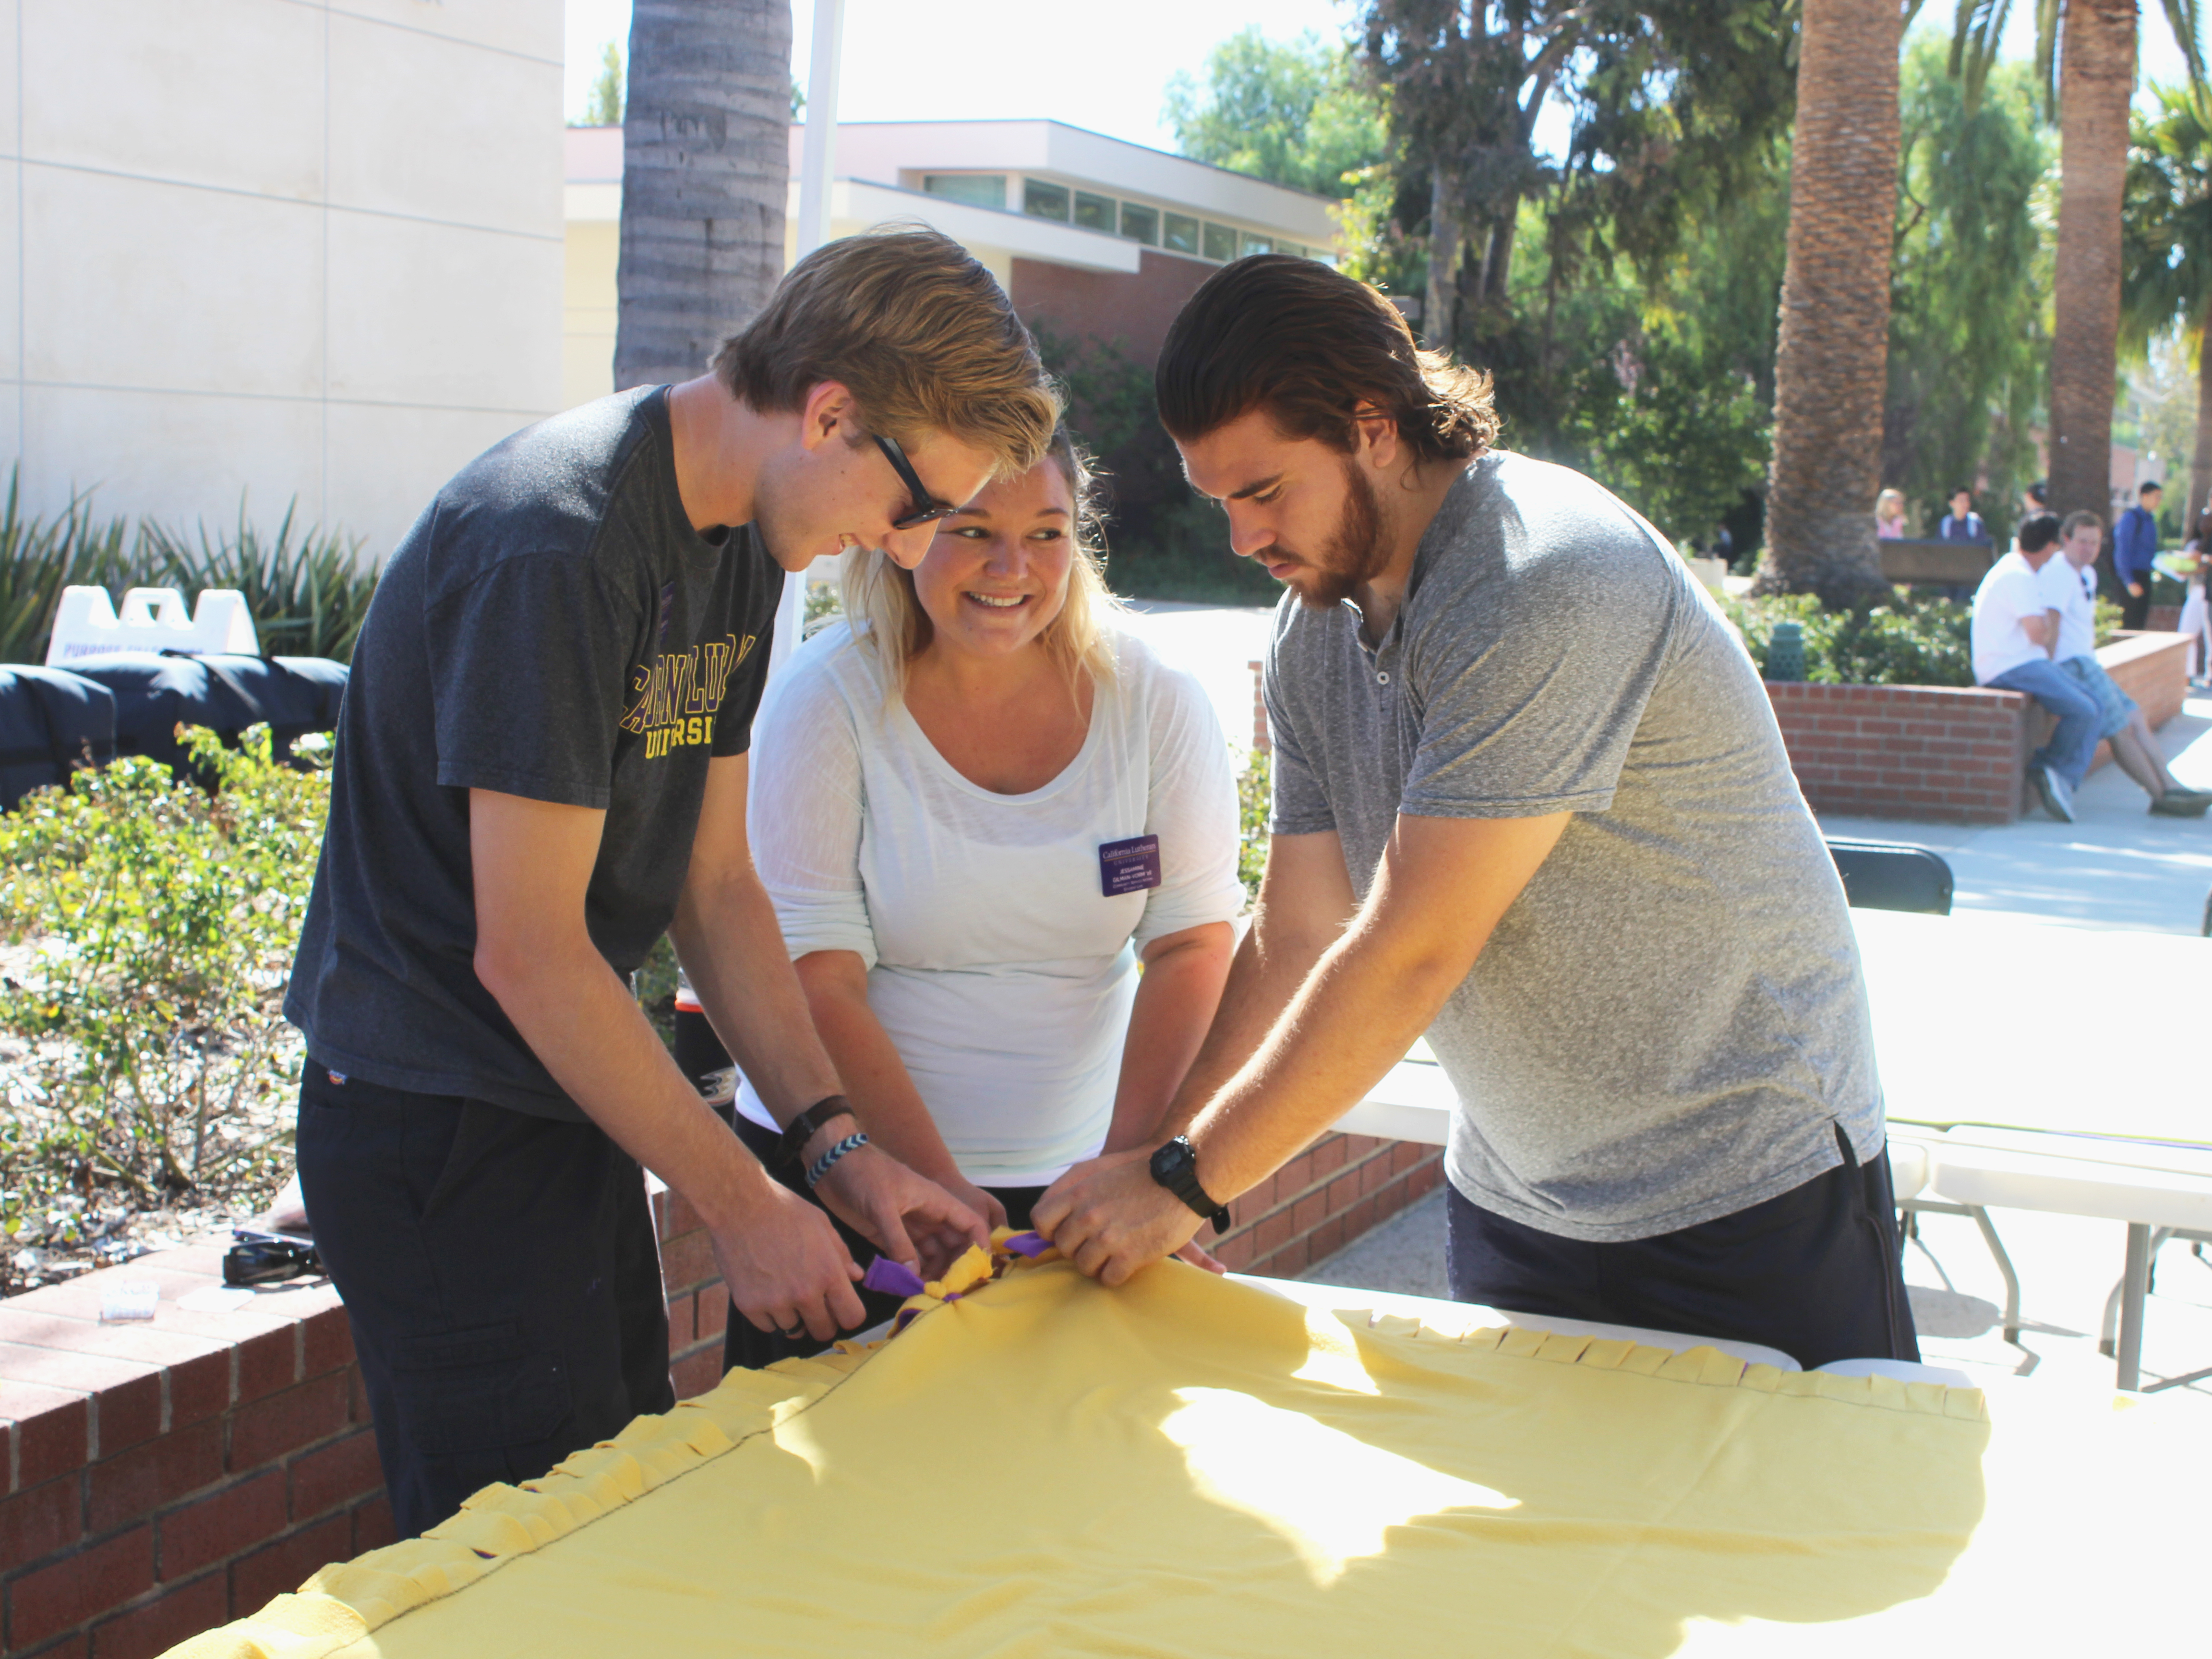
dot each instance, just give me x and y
(1221, 243)
(1094, 212)
(1252, 244)
(1043, 201)
(987, 190)
(1181, 234)
(1141, 224)
(1322, 256)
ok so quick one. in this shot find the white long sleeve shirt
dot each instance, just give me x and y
(998, 966)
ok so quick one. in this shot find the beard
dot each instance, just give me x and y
(1356, 551)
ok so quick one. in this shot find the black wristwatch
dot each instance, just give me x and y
(1174, 1166)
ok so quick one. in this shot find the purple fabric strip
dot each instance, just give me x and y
(1028, 1244)
(892, 1278)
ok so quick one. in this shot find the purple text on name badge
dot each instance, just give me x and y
(1129, 866)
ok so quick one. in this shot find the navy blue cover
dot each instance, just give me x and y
(51, 722)
(156, 693)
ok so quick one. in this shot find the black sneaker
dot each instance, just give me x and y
(2050, 788)
(2182, 804)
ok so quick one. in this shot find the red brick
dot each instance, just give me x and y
(51, 1430)
(1406, 1154)
(174, 1616)
(1295, 1176)
(357, 1397)
(684, 1215)
(1329, 1155)
(325, 1342)
(227, 1523)
(46, 1518)
(278, 1568)
(682, 1321)
(1306, 1214)
(267, 1429)
(1326, 1239)
(198, 1366)
(132, 1484)
(126, 1394)
(335, 1474)
(264, 1362)
(70, 1647)
(713, 1313)
(49, 1600)
(688, 1260)
(1234, 1252)
(1272, 1234)
(373, 1527)
(697, 1372)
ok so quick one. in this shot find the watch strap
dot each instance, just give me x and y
(808, 1124)
(1186, 1186)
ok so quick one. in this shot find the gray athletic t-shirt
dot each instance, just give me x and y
(553, 627)
(1669, 1021)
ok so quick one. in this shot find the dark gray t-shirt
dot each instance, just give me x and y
(553, 627)
(1669, 1021)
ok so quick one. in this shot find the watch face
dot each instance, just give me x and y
(1172, 1160)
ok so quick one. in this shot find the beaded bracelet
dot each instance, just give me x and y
(821, 1165)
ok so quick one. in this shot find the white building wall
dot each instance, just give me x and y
(304, 248)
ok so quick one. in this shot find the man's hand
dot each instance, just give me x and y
(2135, 590)
(1110, 1218)
(910, 1217)
(785, 1267)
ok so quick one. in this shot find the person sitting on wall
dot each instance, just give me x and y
(2120, 720)
(2134, 549)
(1889, 515)
(1530, 799)
(1962, 523)
(541, 769)
(982, 807)
(2014, 633)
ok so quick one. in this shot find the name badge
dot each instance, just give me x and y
(1129, 866)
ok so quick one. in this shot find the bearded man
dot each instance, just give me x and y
(1530, 799)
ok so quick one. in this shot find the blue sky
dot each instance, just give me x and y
(1102, 67)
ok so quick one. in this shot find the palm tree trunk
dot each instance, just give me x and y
(1830, 361)
(706, 167)
(2199, 503)
(1440, 303)
(2097, 68)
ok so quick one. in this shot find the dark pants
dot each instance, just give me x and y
(2135, 608)
(501, 1277)
(743, 1345)
(1814, 1272)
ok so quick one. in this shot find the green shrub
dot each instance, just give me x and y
(308, 591)
(1910, 642)
(1252, 796)
(162, 920)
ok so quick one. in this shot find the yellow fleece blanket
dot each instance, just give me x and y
(1190, 1468)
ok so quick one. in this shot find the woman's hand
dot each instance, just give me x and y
(908, 1216)
(992, 1212)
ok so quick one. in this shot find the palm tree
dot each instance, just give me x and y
(1829, 361)
(2165, 251)
(2086, 60)
(706, 167)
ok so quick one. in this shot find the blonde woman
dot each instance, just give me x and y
(977, 809)
(1889, 515)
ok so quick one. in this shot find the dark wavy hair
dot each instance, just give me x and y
(1309, 344)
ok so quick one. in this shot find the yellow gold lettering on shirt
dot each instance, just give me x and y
(674, 698)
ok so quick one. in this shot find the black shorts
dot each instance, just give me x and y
(1814, 1272)
(502, 1276)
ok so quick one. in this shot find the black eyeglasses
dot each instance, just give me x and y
(924, 507)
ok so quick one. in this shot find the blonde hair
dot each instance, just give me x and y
(921, 335)
(879, 600)
(1885, 499)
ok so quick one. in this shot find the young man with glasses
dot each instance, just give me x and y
(541, 768)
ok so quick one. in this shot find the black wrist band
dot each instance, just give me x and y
(808, 1124)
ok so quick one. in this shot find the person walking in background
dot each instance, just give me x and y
(2196, 614)
(2134, 544)
(1962, 523)
(2015, 632)
(2070, 584)
(1889, 515)
(2035, 499)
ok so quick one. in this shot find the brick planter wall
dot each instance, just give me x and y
(157, 1479)
(1931, 752)
(1905, 752)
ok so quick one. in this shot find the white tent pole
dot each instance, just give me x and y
(818, 163)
